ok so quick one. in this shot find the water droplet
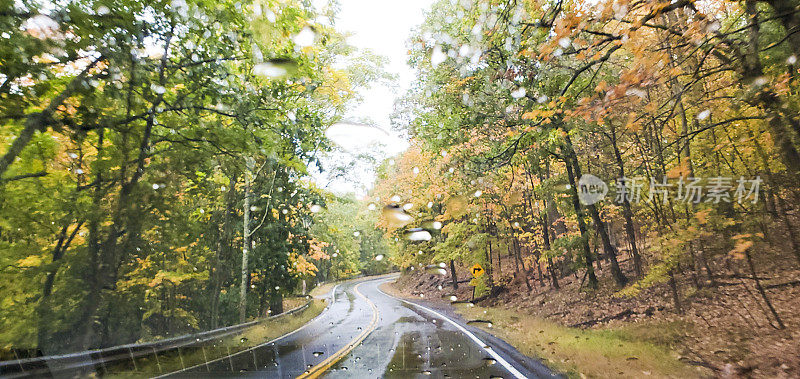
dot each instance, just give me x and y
(792, 59)
(317, 353)
(453, 298)
(379, 257)
(155, 186)
(518, 93)
(158, 89)
(356, 233)
(243, 340)
(372, 206)
(73, 155)
(437, 56)
(435, 269)
(704, 114)
(306, 37)
(417, 234)
(275, 68)
(395, 216)
(407, 206)
(478, 193)
(415, 170)
(315, 208)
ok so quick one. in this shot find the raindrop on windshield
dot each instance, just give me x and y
(417, 234)
(306, 37)
(436, 270)
(395, 216)
(317, 353)
(379, 257)
(275, 68)
(372, 206)
(315, 208)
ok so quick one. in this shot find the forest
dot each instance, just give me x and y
(154, 167)
(643, 152)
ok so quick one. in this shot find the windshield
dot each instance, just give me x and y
(356, 188)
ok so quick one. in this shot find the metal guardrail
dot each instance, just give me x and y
(87, 362)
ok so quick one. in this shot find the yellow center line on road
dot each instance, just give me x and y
(323, 366)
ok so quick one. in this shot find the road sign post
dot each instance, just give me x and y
(477, 271)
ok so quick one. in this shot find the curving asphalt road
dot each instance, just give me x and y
(365, 333)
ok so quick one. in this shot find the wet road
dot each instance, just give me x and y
(365, 333)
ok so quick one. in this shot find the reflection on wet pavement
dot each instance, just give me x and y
(406, 342)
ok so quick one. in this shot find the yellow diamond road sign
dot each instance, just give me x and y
(477, 270)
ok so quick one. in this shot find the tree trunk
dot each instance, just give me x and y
(609, 249)
(453, 274)
(246, 236)
(587, 253)
(627, 213)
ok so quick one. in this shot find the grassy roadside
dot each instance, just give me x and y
(191, 356)
(627, 352)
(635, 351)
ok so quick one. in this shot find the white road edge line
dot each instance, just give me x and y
(333, 296)
(469, 334)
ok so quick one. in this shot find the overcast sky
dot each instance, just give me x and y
(383, 27)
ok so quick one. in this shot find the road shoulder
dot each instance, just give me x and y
(573, 351)
(514, 361)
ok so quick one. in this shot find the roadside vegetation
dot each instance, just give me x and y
(156, 162)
